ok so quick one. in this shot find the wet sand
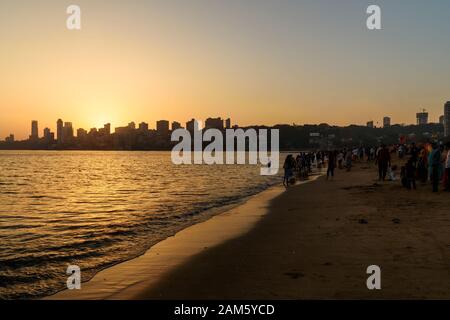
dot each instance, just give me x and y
(128, 279)
(313, 241)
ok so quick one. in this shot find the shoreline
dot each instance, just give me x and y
(127, 279)
(312, 241)
(317, 241)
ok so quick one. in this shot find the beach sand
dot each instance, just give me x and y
(314, 241)
(128, 279)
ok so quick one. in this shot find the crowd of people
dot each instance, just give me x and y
(424, 162)
(301, 166)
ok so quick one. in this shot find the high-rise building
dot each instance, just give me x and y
(441, 120)
(162, 127)
(422, 117)
(126, 131)
(34, 130)
(370, 124)
(81, 133)
(143, 126)
(59, 130)
(107, 129)
(67, 131)
(190, 125)
(10, 139)
(447, 119)
(228, 123)
(386, 122)
(176, 125)
(214, 123)
(49, 136)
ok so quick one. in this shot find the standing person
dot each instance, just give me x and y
(414, 151)
(319, 160)
(348, 160)
(361, 153)
(401, 151)
(422, 165)
(435, 163)
(372, 153)
(447, 167)
(288, 169)
(383, 161)
(340, 159)
(298, 165)
(410, 174)
(331, 164)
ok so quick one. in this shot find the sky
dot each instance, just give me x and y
(256, 61)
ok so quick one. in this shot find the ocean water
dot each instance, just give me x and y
(95, 209)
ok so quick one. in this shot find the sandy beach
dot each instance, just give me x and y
(313, 241)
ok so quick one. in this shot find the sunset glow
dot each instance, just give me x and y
(258, 62)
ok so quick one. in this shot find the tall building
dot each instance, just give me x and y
(143, 127)
(370, 124)
(447, 119)
(228, 123)
(10, 138)
(107, 129)
(441, 120)
(59, 130)
(34, 130)
(162, 127)
(81, 133)
(49, 136)
(214, 123)
(422, 117)
(386, 122)
(176, 125)
(124, 130)
(190, 125)
(67, 131)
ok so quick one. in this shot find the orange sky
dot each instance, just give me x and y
(258, 62)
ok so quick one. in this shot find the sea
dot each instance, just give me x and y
(95, 209)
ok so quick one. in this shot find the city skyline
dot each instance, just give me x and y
(422, 117)
(171, 125)
(63, 128)
(376, 122)
(140, 137)
(262, 61)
